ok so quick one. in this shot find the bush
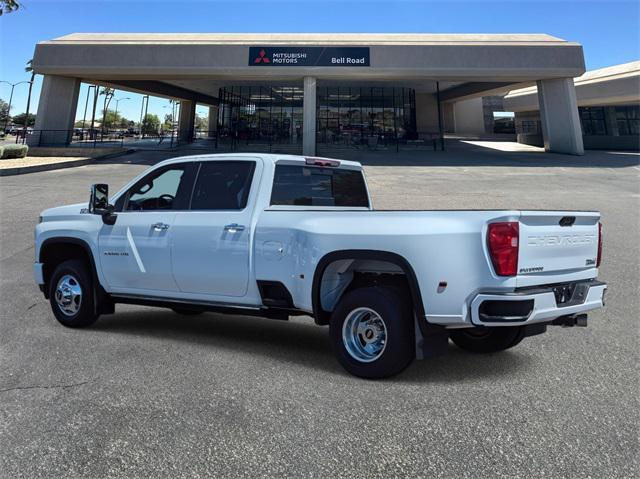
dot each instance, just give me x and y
(14, 151)
(1, 151)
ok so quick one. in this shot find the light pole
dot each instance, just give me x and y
(92, 134)
(13, 85)
(118, 100)
(86, 104)
(145, 100)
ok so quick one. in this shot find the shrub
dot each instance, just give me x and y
(1, 151)
(14, 151)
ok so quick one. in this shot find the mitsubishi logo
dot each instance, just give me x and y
(262, 58)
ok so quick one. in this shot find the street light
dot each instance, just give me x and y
(143, 112)
(13, 85)
(86, 104)
(118, 101)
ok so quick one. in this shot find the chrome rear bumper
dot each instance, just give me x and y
(536, 305)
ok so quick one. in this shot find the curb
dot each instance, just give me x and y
(21, 170)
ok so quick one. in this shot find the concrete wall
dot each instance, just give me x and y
(426, 113)
(469, 117)
(491, 104)
(448, 118)
(532, 136)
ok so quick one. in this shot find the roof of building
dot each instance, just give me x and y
(311, 38)
(614, 72)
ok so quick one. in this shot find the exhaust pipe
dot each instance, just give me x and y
(581, 320)
(571, 320)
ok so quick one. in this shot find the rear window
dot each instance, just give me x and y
(315, 186)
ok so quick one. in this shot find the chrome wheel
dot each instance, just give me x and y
(364, 335)
(68, 295)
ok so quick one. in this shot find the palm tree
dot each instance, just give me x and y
(8, 6)
(29, 69)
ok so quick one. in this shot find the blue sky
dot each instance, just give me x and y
(608, 30)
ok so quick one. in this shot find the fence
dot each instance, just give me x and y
(77, 138)
(226, 141)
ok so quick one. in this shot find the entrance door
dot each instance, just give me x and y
(211, 241)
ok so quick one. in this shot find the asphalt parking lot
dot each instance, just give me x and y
(148, 393)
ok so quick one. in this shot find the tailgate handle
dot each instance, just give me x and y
(567, 220)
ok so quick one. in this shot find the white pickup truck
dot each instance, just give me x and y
(276, 235)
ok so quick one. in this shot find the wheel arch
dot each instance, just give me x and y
(61, 248)
(322, 317)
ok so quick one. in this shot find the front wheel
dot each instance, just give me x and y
(372, 333)
(71, 294)
(487, 340)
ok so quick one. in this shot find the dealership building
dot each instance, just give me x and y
(312, 91)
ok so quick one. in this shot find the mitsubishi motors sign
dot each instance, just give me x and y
(309, 56)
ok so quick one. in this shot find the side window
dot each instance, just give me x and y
(157, 191)
(222, 185)
(316, 186)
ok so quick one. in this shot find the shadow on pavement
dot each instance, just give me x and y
(460, 366)
(457, 153)
(303, 343)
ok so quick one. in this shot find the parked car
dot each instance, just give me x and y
(277, 235)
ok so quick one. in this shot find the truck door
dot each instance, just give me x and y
(135, 253)
(212, 241)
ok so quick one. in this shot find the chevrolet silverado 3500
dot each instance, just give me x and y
(277, 235)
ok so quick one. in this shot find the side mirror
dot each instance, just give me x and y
(99, 198)
(99, 203)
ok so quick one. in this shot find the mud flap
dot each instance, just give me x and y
(431, 340)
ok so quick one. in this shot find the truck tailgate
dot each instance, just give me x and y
(557, 246)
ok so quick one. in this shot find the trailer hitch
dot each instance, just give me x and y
(571, 320)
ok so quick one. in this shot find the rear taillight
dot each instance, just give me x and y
(502, 240)
(599, 245)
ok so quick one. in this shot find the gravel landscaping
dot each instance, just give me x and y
(37, 161)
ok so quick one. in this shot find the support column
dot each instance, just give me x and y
(559, 116)
(186, 120)
(56, 111)
(213, 121)
(309, 117)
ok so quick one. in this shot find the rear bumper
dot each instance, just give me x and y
(537, 305)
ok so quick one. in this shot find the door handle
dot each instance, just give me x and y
(160, 226)
(234, 228)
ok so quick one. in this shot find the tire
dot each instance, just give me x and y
(186, 312)
(71, 294)
(487, 340)
(384, 316)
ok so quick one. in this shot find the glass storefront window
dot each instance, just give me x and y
(345, 116)
(592, 120)
(353, 116)
(628, 120)
(261, 114)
